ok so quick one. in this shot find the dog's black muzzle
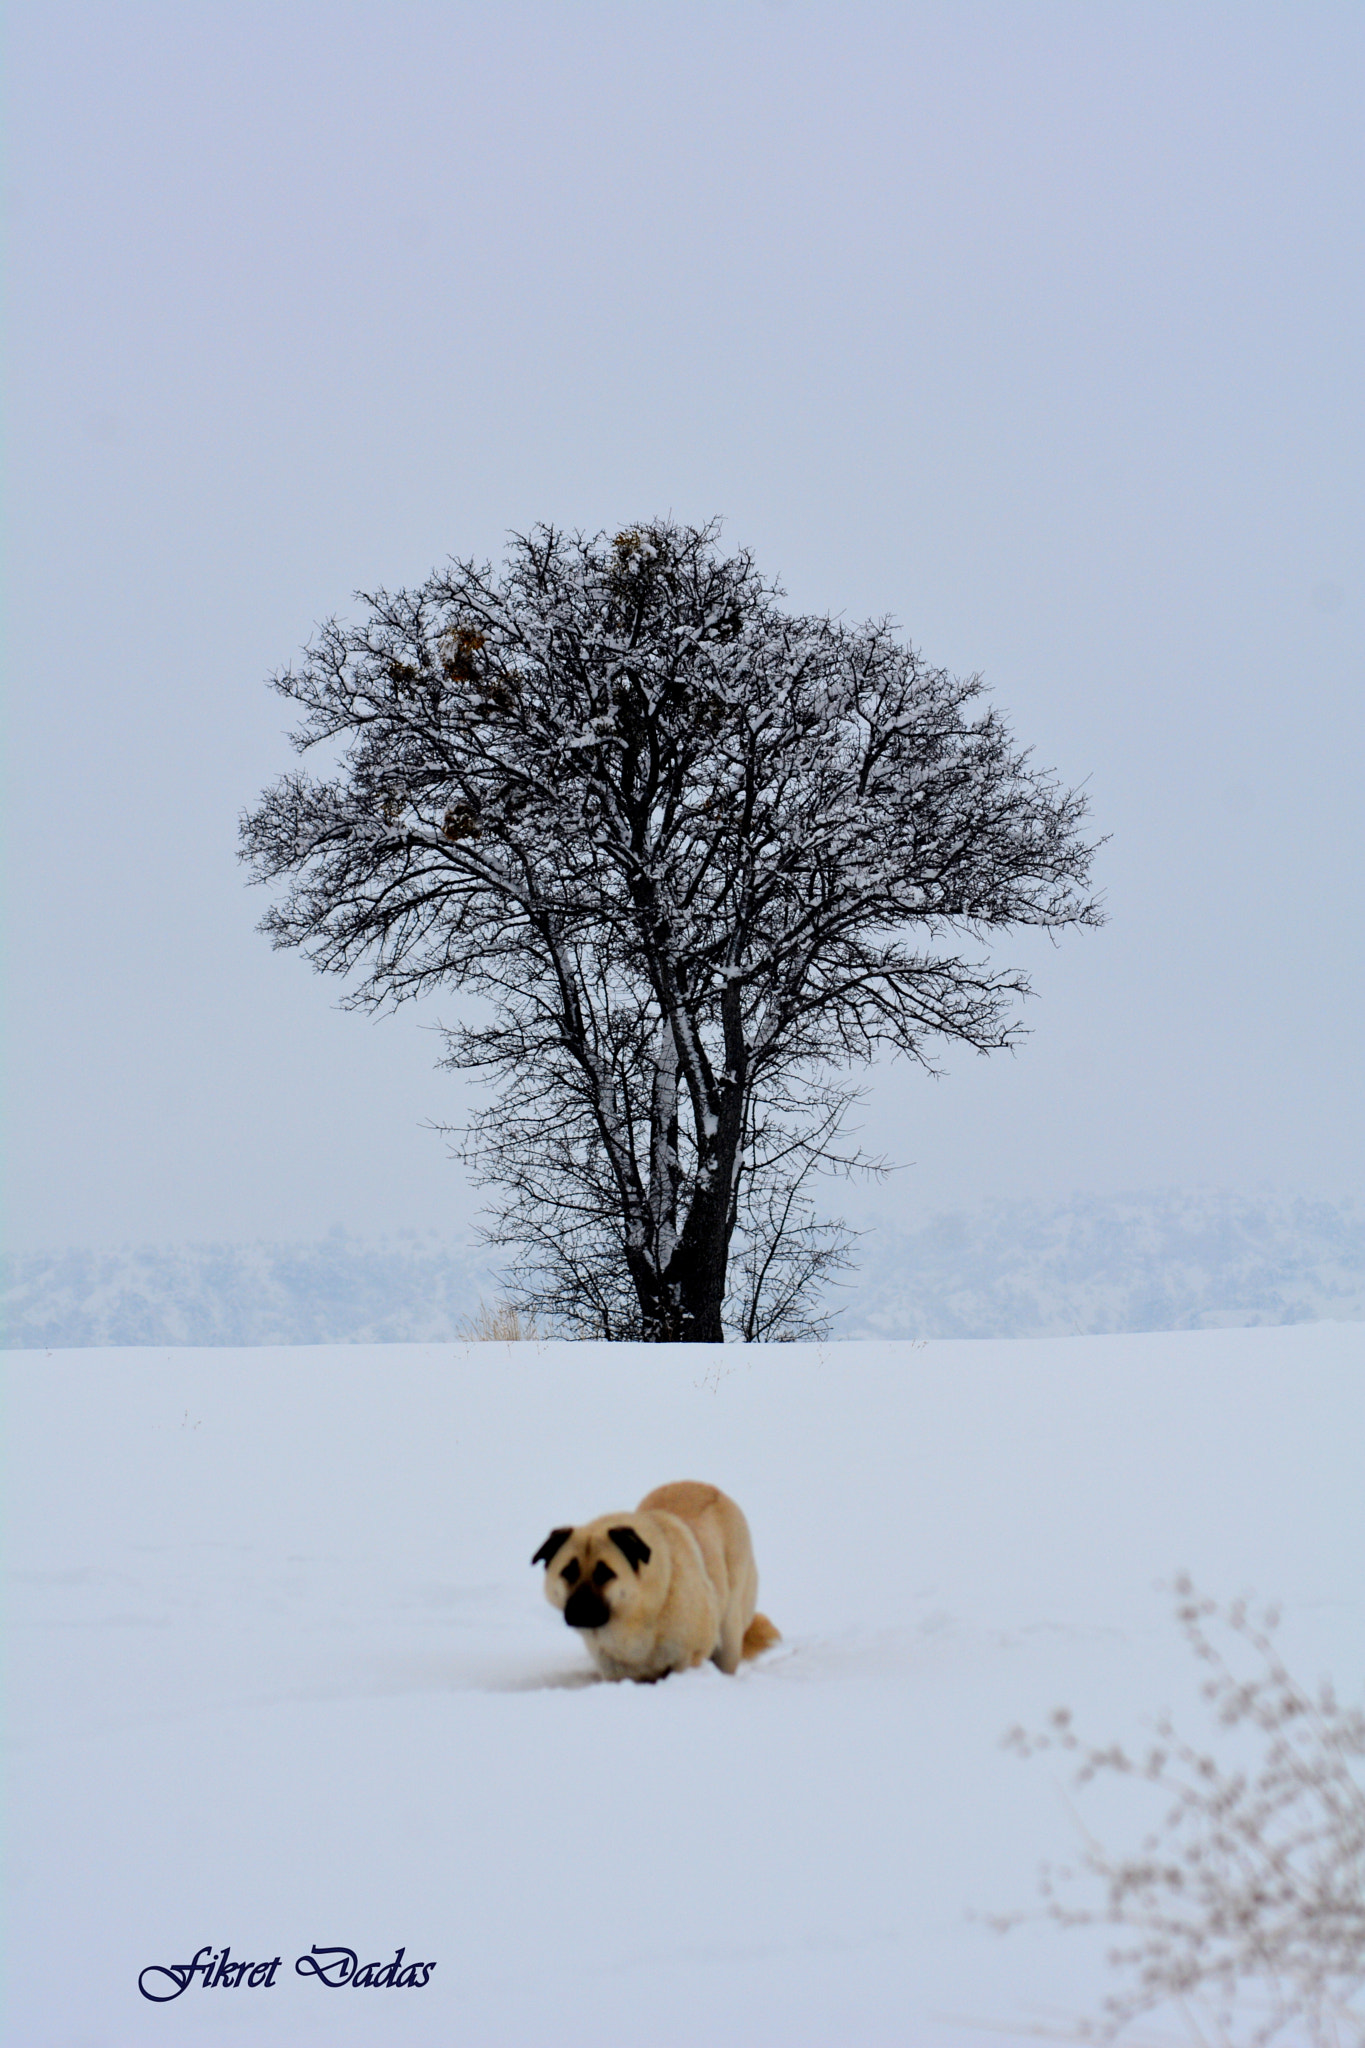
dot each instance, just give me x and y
(585, 1608)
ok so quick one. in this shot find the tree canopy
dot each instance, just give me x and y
(702, 857)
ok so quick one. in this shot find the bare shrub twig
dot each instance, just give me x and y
(1244, 1906)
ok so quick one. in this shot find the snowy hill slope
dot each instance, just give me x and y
(1172, 1260)
(281, 1674)
(335, 1290)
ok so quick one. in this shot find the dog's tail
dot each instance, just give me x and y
(759, 1636)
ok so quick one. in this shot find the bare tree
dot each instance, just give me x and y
(538, 1144)
(700, 856)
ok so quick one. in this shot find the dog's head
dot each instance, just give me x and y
(597, 1574)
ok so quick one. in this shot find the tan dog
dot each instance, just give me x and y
(662, 1589)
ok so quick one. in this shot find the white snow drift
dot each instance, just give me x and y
(280, 1674)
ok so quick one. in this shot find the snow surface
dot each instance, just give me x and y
(281, 1673)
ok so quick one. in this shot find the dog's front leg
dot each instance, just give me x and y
(730, 1648)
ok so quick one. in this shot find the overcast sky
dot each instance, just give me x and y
(1036, 326)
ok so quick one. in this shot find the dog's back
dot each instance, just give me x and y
(727, 1551)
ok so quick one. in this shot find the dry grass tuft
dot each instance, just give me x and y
(500, 1324)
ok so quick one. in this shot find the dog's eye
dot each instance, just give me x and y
(603, 1574)
(570, 1571)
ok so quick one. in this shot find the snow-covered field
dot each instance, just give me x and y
(280, 1673)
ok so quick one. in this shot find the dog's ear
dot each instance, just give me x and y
(632, 1546)
(553, 1542)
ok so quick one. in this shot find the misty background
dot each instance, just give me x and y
(1035, 326)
